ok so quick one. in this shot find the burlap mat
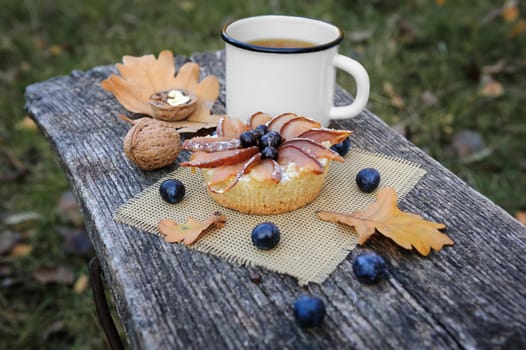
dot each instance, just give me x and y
(310, 249)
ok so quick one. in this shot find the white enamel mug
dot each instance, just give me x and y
(300, 80)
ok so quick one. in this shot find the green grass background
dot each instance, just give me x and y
(416, 46)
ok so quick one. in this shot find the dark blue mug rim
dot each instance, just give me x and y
(281, 50)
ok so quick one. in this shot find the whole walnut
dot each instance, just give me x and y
(151, 144)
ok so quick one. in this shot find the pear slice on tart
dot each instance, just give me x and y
(276, 123)
(267, 170)
(323, 135)
(314, 149)
(202, 159)
(228, 127)
(297, 126)
(291, 154)
(258, 119)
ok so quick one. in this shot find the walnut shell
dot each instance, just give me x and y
(163, 111)
(152, 144)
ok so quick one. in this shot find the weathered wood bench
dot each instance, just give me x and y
(470, 295)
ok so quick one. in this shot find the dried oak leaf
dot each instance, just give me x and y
(406, 229)
(143, 76)
(190, 232)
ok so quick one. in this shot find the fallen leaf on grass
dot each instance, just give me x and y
(491, 15)
(491, 88)
(406, 229)
(9, 282)
(428, 98)
(186, 5)
(21, 249)
(510, 11)
(10, 164)
(361, 35)
(59, 274)
(76, 241)
(55, 50)
(406, 30)
(467, 142)
(396, 100)
(81, 284)
(21, 218)
(518, 28)
(69, 210)
(53, 328)
(191, 231)
(27, 124)
(5, 270)
(8, 240)
(501, 66)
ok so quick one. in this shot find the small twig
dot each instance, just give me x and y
(20, 169)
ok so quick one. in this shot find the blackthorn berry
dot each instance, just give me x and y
(172, 191)
(368, 179)
(265, 236)
(309, 311)
(369, 267)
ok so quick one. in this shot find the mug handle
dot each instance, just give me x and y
(362, 88)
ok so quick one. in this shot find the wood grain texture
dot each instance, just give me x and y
(470, 295)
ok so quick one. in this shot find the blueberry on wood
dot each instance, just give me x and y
(309, 311)
(369, 267)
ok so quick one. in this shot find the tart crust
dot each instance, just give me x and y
(268, 198)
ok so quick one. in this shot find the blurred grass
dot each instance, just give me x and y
(414, 50)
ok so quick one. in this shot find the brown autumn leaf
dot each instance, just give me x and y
(518, 28)
(406, 229)
(490, 87)
(143, 76)
(395, 99)
(510, 11)
(21, 250)
(55, 50)
(81, 284)
(26, 124)
(190, 232)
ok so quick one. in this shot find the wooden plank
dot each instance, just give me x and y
(470, 295)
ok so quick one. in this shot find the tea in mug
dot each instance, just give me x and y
(281, 43)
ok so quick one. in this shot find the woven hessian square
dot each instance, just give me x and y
(310, 249)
